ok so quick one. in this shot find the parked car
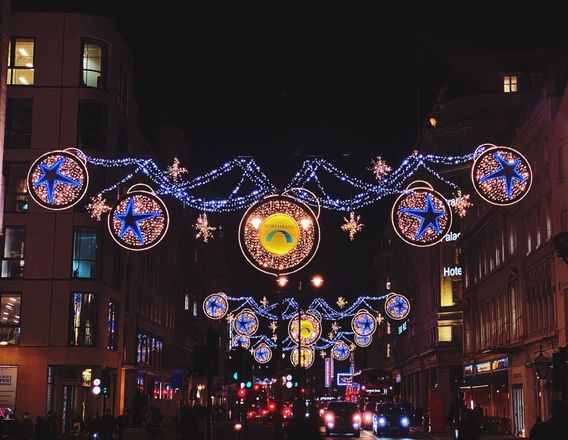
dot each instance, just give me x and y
(342, 418)
(391, 417)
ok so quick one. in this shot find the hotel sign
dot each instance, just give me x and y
(455, 271)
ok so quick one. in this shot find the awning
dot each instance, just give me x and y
(484, 380)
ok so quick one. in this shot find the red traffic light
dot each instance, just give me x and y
(256, 387)
(242, 393)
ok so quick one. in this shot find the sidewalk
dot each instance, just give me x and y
(448, 436)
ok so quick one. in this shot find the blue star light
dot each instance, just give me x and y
(51, 176)
(341, 351)
(506, 171)
(366, 324)
(262, 354)
(131, 218)
(398, 307)
(212, 305)
(243, 323)
(429, 217)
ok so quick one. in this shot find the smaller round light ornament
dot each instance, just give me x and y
(139, 219)
(340, 351)
(397, 306)
(306, 358)
(500, 175)
(245, 323)
(310, 329)
(241, 341)
(421, 216)
(59, 179)
(363, 323)
(216, 305)
(262, 353)
(363, 341)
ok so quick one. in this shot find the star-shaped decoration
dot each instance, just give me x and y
(508, 171)
(398, 306)
(261, 353)
(203, 229)
(251, 351)
(379, 319)
(273, 326)
(213, 305)
(335, 327)
(51, 176)
(175, 171)
(131, 219)
(242, 323)
(331, 335)
(380, 168)
(274, 338)
(341, 302)
(98, 207)
(429, 216)
(230, 317)
(264, 302)
(341, 350)
(352, 226)
(352, 346)
(322, 354)
(366, 323)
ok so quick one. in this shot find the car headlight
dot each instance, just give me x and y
(382, 421)
(329, 417)
(404, 422)
(368, 417)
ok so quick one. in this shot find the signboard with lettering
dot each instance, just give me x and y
(483, 367)
(468, 370)
(498, 364)
(344, 379)
(8, 382)
(455, 271)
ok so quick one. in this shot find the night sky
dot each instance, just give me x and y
(280, 82)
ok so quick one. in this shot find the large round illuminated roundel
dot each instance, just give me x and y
(245, 323)
(306, 358)
(138, 220)
(421, 216)
(216, 305)
(340, 351)
(279, 235)
(310, 329)
(241, 341)
(363, 341)
(262, 353)
(58, 179)
(363, 323)
(397, 306)
(501, 175)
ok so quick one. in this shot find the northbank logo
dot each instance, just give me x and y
(279, 234)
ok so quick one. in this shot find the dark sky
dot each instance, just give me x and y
(281, 80)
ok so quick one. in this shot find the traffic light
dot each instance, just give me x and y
(248, 384)
(105, 382)
(235, 375)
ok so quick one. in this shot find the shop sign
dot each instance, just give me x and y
(499, 364)
(344, 379)
(452, 236)
(468, 370)
(452, 271)
(8, 382)
(483, 367)
(86, 376)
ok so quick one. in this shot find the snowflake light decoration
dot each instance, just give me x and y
(379, 318)
(203, 229)
(98, 207)
(230, 317)
(273, 326)
(323, 354)
(335, 327)
(264, 302)
(352, 347)
(460, 202)
(380, 168)
(175, 171)
(330, 335)
(274, 338)
(352, 226)
(341, 302)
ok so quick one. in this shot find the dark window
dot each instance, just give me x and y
(93, 54)
(21, 61)
(86, 253)
(149, 350)
(122, 141)
(10, 318)
(83, 319)
(16, 199)
(18, 132)
(456, 290)
(122, 95)
(91, 125)
(13, 256)
(112, 324)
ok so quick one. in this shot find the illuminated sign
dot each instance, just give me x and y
(452, 236)
(402, 327)
(86, 376)
(498, 364)
(452, 271)
(483, 367)
(279, 234)
(468, 370)
(344, 379)
(376, 390)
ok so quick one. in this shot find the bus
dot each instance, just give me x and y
(374, 385)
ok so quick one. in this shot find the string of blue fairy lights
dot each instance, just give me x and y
(311, 172)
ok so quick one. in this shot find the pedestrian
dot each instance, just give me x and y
(553, 427)
(41, 431)
(26, 427)
(106, 430)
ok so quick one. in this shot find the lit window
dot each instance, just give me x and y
(388, 349)
(16, 195)
(18, 130)
(93, 54)
(510, 83)
(149, 350)
(186, 302)
(112, 324)
(86, 253)
(444, 333)
(456, 290)
(13, 256)
(194, 308)
(10, 318)
(83, 319)
(21, 61)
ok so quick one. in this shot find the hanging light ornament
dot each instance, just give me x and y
(203, 229)
(138, 220)
(380, 168)
(245, 323)
(397, 306)
(59, 179)
(335, 327)
(363, 323)
(241, 341)
(460, 203)
(310, 328)
(175, 171)
(262, 353)
(500, 175)
(323, 354)
(273, 326)
(341, 302)
(264, 302)
(352, 226)
(306, 358)
(363, 341)
(98, 207)
(216, 305)
(421, 216)
(340, 351)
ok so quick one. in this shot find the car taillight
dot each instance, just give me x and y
(329, 417)
(322, 411)
(357, 418)
(368, 417)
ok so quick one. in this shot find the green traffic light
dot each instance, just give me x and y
(295, 384)
(236, 375)
(249, 384)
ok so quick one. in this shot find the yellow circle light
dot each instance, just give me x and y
(279, 234)
(306, 329)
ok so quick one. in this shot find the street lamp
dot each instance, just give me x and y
(542, 364)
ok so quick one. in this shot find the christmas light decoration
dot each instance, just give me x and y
(245, 323)
(175, 171)
(397, 306)
(363, 341)
(274, 338)
(380, 168)
(363, 323)
(341, 302)
(379, 318)
(501, 175)
(58, 180)
(279, 235)
(241, 341)
(264, 302)
(230, 317)
(203, 229)
(460, 202)
(352, 226)
(335, 327)
(216, 305)
(310, 328)
(98, 207)
(138, 220)
(352, 347)
(306, 358)
(262, 353)
(322, 354)
(331, 335)
(273, 326)
(421, 216)
(340, 351)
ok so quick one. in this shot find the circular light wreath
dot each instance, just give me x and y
(340, 351)
(421, 216)
(58, 180)
(306, 358)
(363, 341)
(262, 353)
(363, 323)
(501, 175)
(310, 328)
(241, 341)
(139, 219)
(216, 305)
(279, 235)
(315, 313)
(397, 306)
(245, 323)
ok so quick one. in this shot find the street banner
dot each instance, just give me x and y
(8, 382)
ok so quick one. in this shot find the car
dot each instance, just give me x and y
(391, 417)
(267, 413)
(367, 415)
(342, 417)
